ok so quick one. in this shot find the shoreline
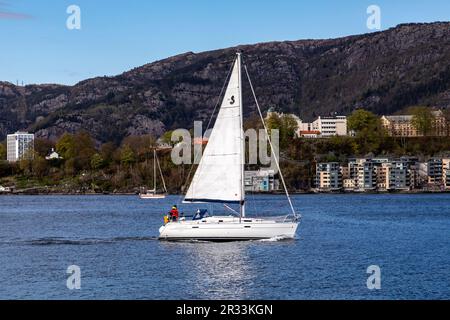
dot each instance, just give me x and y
(32, 193)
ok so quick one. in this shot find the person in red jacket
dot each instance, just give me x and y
(174, 214)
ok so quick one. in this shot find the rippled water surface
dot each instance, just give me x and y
(113, 239)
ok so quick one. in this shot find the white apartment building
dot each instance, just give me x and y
(322, 127)
(19, 146)
(327, 126)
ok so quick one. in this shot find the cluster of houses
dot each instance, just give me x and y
(384, 174)
(405, 174)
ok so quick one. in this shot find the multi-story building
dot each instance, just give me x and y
(321, 127)
(327, 126)
(20, 145)
(393, 175)
(349, 184)
(261, 181)
(363, 173)
(402, 125)
(383, 174)
(431, 173)
(399, 176)
(328, 176)
(345, 172)
(446, 172)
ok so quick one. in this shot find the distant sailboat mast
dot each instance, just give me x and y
(152, 194)
(160, 172)
(154, 170)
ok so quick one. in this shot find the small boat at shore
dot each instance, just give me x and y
(219, 178)
(153, 194)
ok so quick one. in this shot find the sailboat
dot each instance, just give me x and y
(152, 194)
(219, 178)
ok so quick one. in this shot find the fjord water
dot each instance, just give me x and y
(113, 239)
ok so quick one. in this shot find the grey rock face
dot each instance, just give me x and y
(383, 72)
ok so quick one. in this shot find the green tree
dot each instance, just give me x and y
(42, 147)
(69, 167)
(79, 148)
(286, 125)
(107, 152)
(25, 166)
(39, 166)
(85, 148)
(446, 115)
(2, 151)
(66, 146)
(127, 156)
(5, 169)
(273, 122)
(289, 126)
(361, 120)
(423, 120)
(142, 146)
(167, 138)
(368, 131)
(97, 161)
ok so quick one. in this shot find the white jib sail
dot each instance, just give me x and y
(219, 175)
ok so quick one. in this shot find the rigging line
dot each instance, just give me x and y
(220, 95)
(270, 142)
(196, 155)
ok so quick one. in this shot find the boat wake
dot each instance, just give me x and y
(76, 242)
(276, 239)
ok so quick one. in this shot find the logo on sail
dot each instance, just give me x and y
(232, 101)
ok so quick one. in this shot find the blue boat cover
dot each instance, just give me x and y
(200, 214)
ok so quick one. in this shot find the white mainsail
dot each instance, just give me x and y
(219, 176)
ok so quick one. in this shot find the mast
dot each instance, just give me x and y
(154, 169)
(161, 174)
(242, 203)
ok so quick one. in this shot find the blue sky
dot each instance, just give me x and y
(116, 35)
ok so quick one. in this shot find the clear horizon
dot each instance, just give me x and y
(37, 46)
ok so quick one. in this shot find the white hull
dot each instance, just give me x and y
(227, 229)
(152, 196)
